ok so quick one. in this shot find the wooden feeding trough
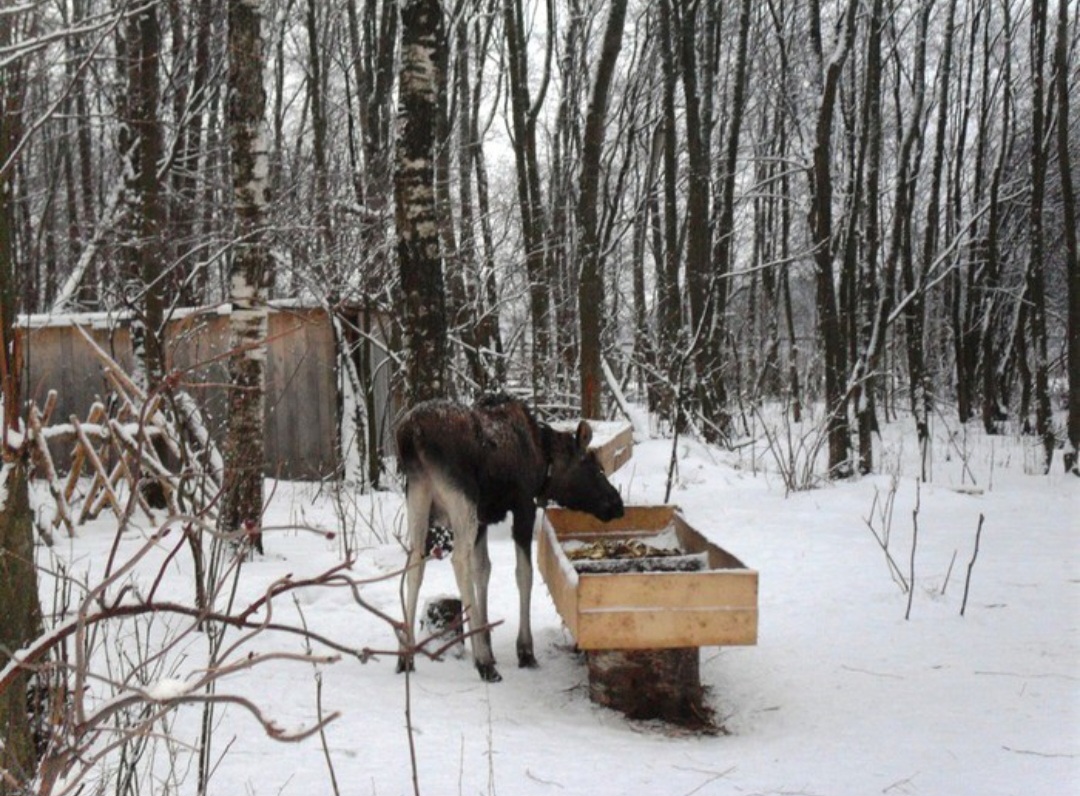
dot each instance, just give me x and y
(640, 595)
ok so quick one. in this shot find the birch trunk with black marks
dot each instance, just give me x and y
(250, 272)
(419, 259)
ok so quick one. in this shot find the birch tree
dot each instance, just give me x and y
(419, 260)
(249, 272)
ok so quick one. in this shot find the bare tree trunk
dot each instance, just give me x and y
(965, 285)
(993, 362)
(591, 286)
(922, 404)
(316, 83)
(20, 618)
(644, 347)
(899, 256)
(378, 40)
(821, 227)
(704, 284)
(1036, 275)
(372, 45)
(870, 332)
(1072, 248)
(144, 43)
(784, 215)
(487, 285)
(530, 202)
(714, 406)
(249, 273)
(20, 612)
(419, 261)
(669, 306)
(476, 327)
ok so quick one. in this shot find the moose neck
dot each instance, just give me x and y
(546, 433)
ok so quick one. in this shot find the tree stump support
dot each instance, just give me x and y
(660, 684)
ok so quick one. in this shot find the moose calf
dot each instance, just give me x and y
(468, 467)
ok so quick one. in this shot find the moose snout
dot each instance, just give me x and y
(613, 509)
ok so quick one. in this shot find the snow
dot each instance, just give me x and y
(167, 688)
(841, 695)
(5, 474)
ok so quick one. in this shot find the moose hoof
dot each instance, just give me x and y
(405, 664)
(526, 660)
(488, 672)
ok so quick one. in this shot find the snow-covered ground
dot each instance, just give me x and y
(841, 695)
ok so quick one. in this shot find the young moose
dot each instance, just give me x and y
(468, 467)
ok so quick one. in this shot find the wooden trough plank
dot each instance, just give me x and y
(570, 524)
(631, 590)
(562, 585)
(666, 628)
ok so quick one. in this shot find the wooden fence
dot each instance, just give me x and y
(302, 406)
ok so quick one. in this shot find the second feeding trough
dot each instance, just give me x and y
(641, 595)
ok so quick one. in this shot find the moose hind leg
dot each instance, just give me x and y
(418, 501)
(465, 525)
(481, 580)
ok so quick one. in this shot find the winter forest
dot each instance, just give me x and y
(741, 219)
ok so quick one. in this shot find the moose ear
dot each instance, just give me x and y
(584, 435)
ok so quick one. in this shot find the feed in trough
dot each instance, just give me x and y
(648, 552)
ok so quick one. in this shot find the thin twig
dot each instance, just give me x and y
(914, 541)
(948, 573)
(883, 537)
(322, 734)
(971, 565)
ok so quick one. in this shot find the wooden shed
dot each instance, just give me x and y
(303, 389)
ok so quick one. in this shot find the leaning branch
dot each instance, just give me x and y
(971, 565)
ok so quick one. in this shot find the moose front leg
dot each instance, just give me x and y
(523, 533)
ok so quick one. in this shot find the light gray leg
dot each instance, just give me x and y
(462, 515)
(418, 508)
(482, 576)
(524, 574)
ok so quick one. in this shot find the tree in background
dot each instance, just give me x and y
(20, 611)
(924, 165)
(250, 272)
(823, 238)
(141, 141)
(423, 38)
(591, 284)
(1072, 247)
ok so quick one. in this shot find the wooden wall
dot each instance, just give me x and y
(302, 401)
